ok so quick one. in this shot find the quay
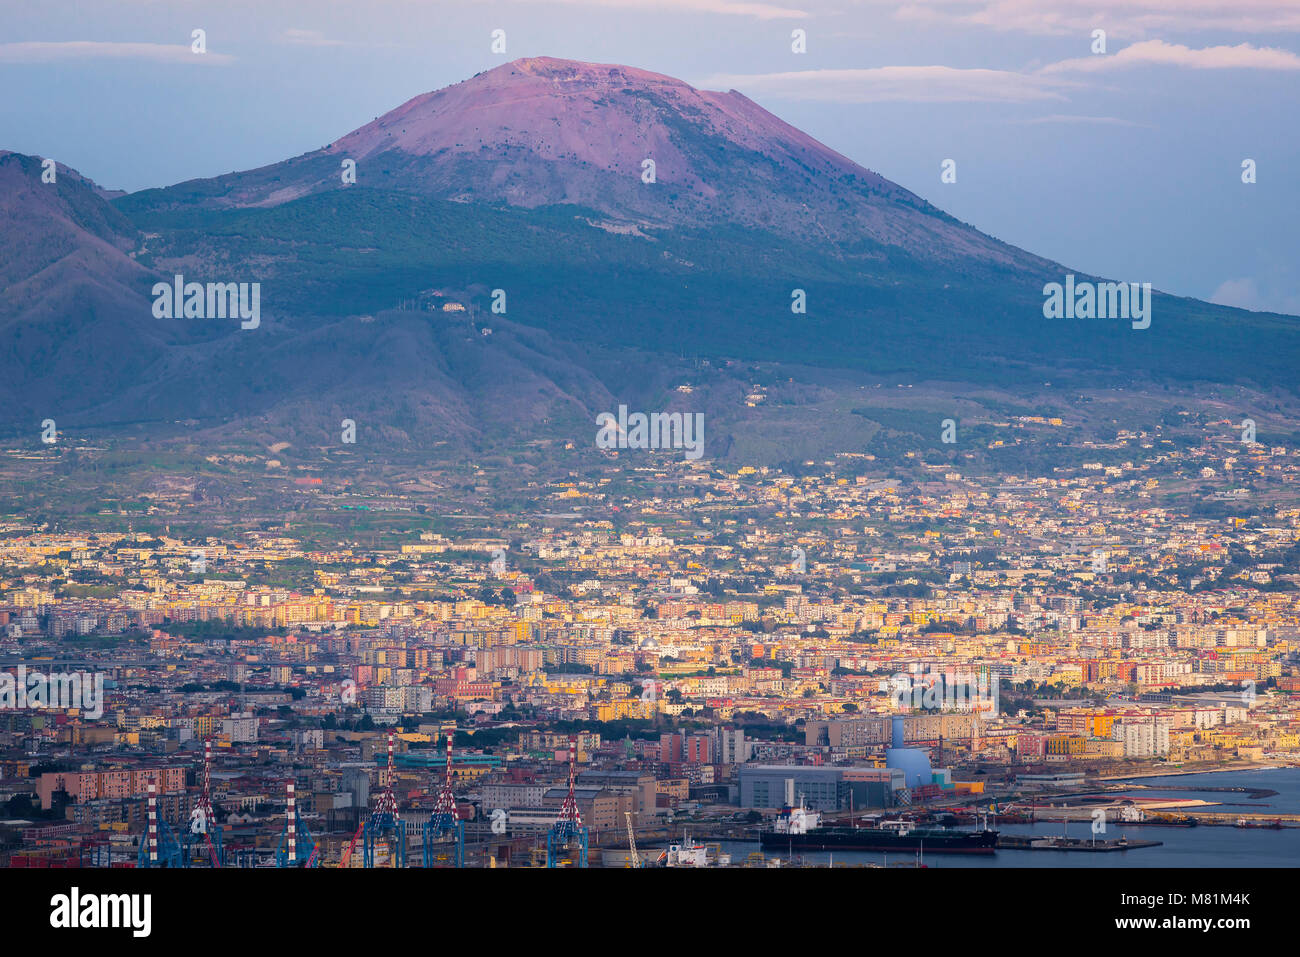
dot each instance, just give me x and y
(1026, 842)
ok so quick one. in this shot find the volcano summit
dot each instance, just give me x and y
(541, 131)
(528, 180)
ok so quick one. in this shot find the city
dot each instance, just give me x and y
(649, 472)
(710, 657)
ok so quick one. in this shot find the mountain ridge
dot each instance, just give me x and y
(544, 131)
(604, 275)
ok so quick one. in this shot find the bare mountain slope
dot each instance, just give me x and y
(378, 300)
(543, 131)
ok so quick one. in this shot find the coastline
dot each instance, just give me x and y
(1176, 773)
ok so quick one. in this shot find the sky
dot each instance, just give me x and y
(1125, 163)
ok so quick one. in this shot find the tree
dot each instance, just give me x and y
(21, 806)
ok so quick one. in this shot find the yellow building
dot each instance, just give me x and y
(620, 709)
(1104, 749)
(1067, 744)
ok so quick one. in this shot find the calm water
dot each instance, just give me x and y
(1286, 781)
(1182, 847)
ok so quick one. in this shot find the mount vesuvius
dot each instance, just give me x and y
(531, 179)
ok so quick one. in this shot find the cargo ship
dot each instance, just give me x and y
(1256, 823)
(799, 828)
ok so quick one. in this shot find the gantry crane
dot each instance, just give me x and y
(385, 823)
(634, 858)
(568, 828)
(159, 847)
(444, 827)
(202, 842)
(298, 848)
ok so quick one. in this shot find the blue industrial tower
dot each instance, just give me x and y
(385, 823)
(568, 828)
(159, 847)
(444, 826)
(201, 842)
(297, 848)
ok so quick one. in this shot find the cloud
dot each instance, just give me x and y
(739, 8)
(1249, 293)
(914, 84)
(1070, 118)
(1127, 18)
(945, 84)
(1243, 56)
(40, 52)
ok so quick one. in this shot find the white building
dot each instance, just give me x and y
(240, 728)
(1143, 739)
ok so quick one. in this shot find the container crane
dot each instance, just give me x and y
(445, 821)
(159, 848)
(297, 846)
(568, 828)
(385, 822)
(204, 834)
(633, 857)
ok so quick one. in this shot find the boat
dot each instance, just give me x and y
(689, 853)
(1171, 820)
(686, 854)
(800, 828)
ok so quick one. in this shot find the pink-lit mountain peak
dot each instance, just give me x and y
(542, 131)
(603, 115)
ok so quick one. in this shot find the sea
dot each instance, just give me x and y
(1193, 847)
